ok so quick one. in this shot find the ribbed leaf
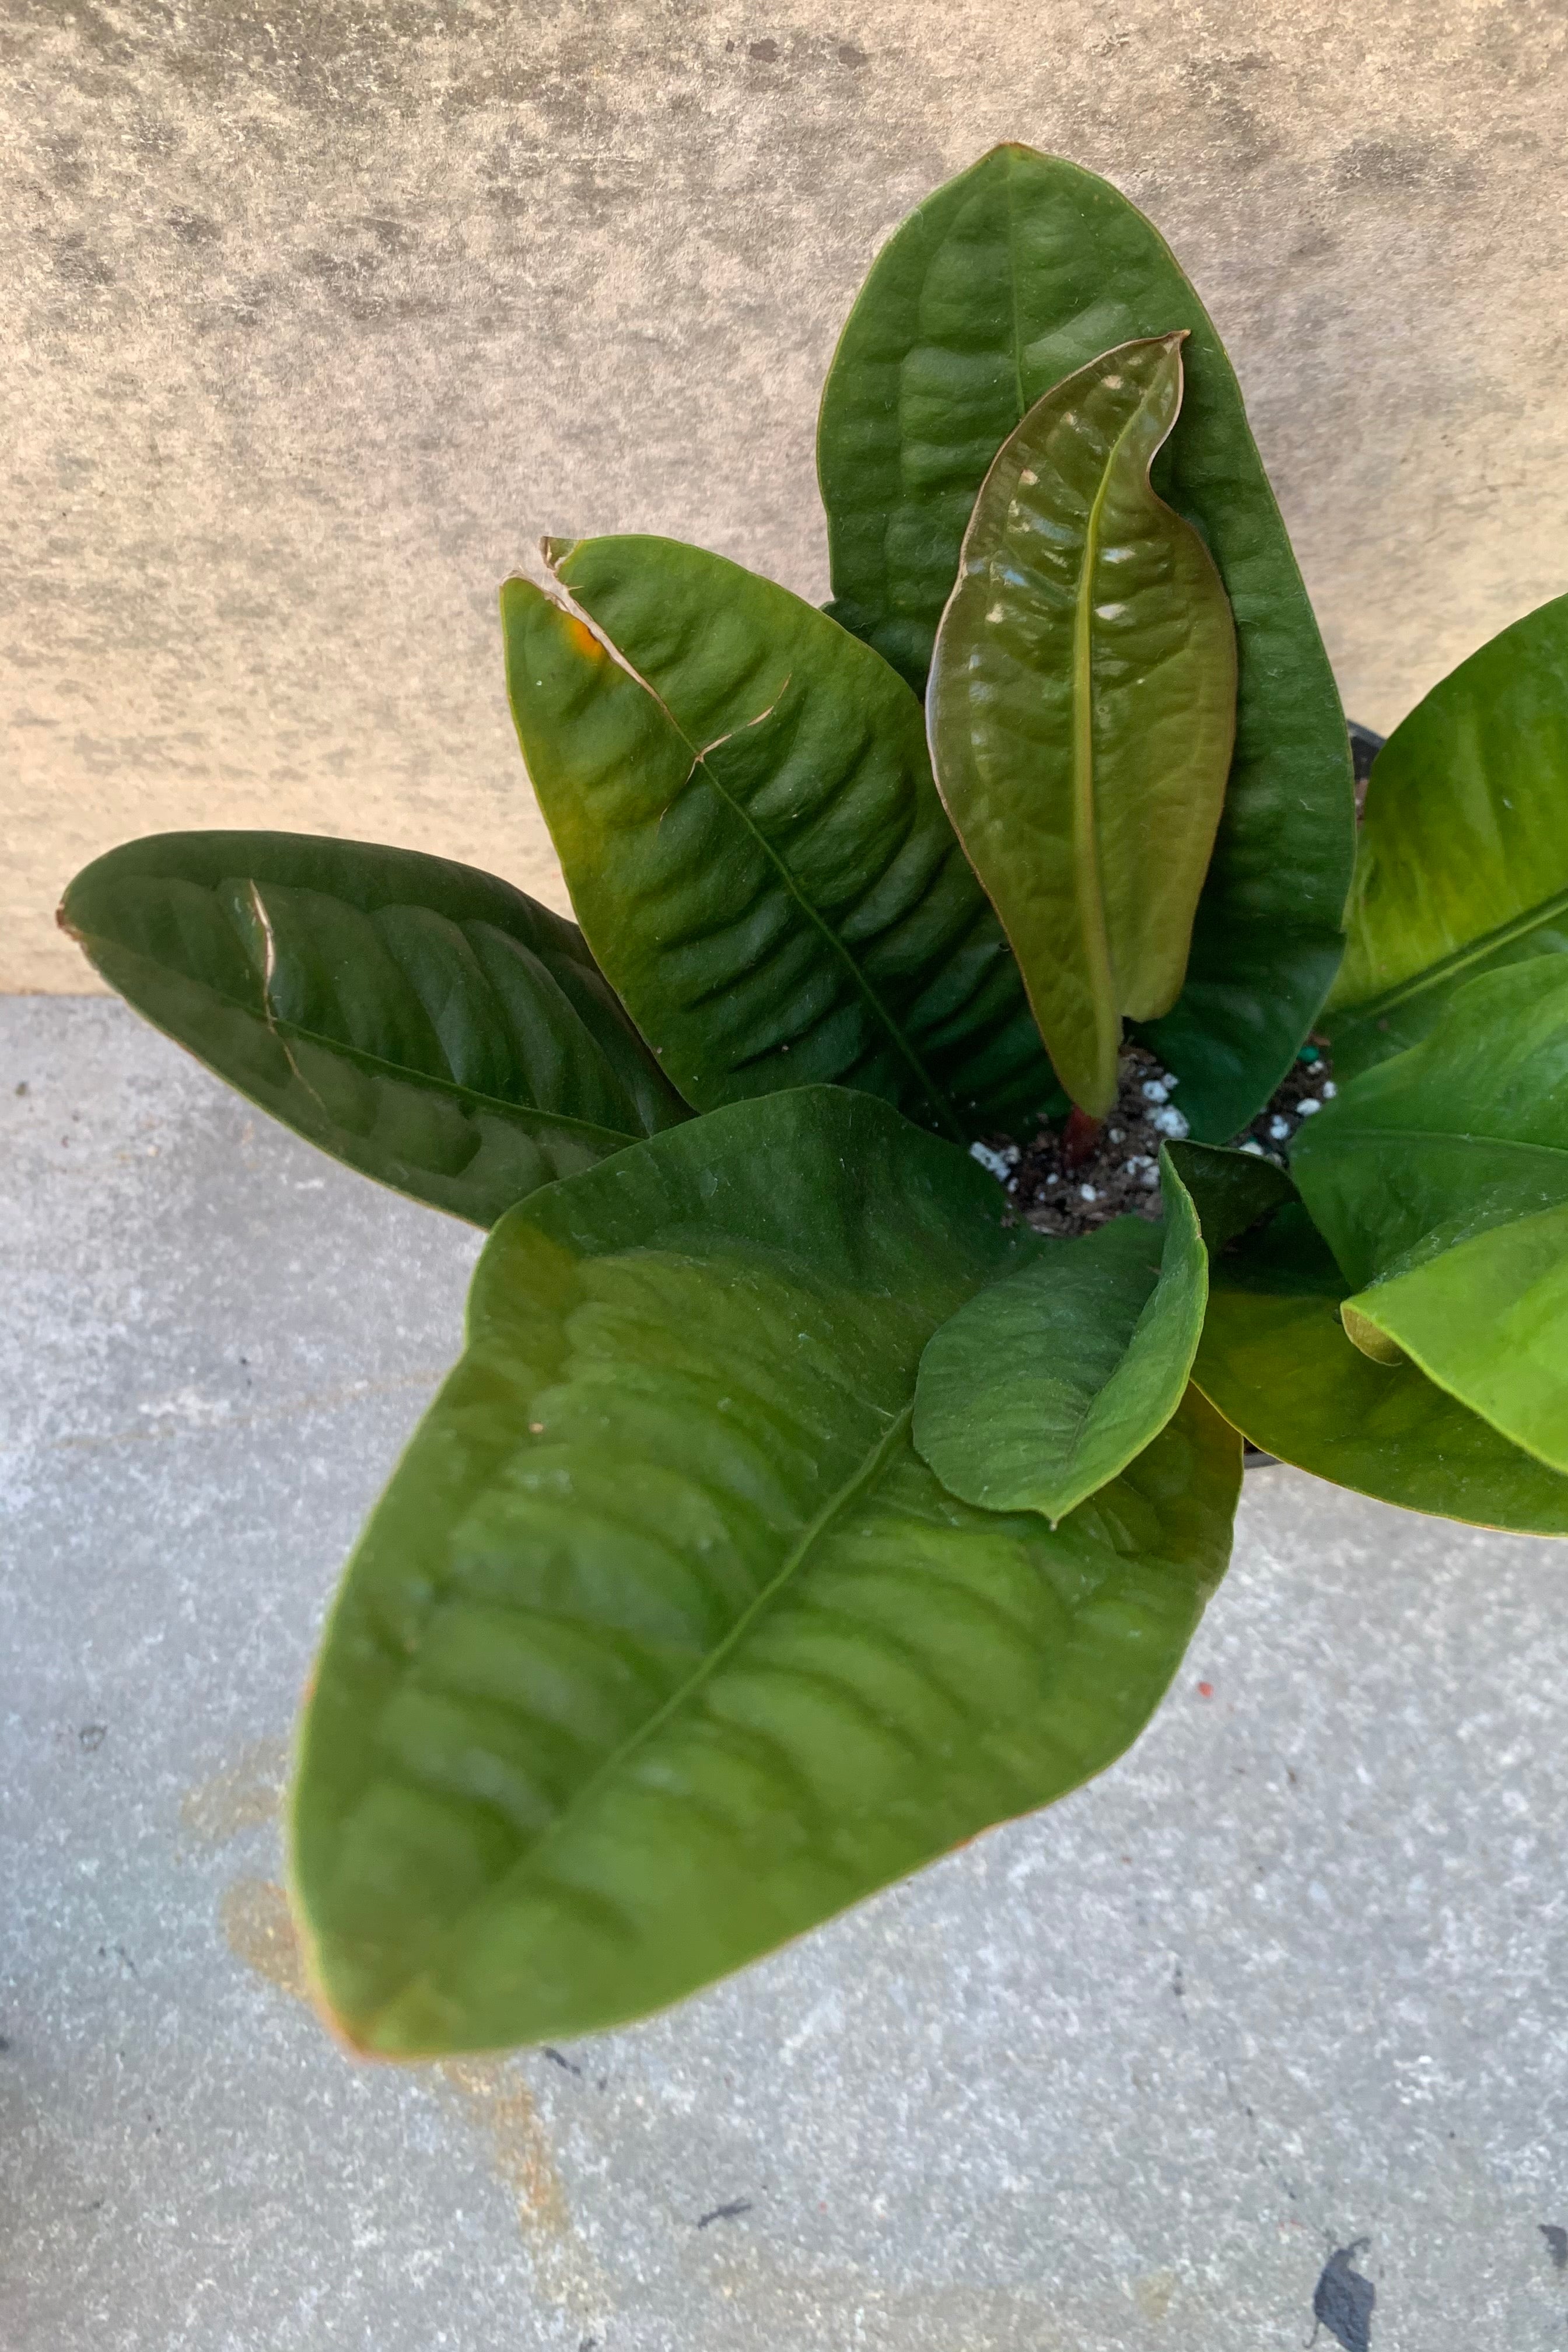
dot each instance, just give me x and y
(421, 1020)
(1273, 1359)
(1082, 706)
(664, 1643)
(1440, 1181)
(1004, 282)
(1462, 864)
(1045, 1385)
(743, 808)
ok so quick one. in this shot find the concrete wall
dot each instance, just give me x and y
(319, 311)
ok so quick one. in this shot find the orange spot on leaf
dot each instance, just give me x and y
(583, 639)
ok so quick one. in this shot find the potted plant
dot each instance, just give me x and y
(797, 1509)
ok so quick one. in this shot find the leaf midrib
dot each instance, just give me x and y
(1432, 975)
(935, 1095)
(406, 1074)
(1092, 1400)
(866, 1476)
(1014, 288)
(1086, 813)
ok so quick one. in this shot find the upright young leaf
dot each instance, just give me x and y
(1045, 1385)
(1081, 708)
(743, 804)
(1011, 277)
(1440, 1180)
(664, 1643)
(419, 1019)
(1462, 863)
(1275, 1359)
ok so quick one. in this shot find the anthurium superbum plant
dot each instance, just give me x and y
(797, 1509)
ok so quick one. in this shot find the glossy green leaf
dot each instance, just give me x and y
(1275, 1360)
(743, 808)
(1005, 282)
(1082, 706)
(1440, 1181)
(1044, 1386)
(664, 1643)
(1462, 864)
(1231, 1190)
(421, 1020)
(1489, 1320)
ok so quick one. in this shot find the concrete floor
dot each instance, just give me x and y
(1133, 2075)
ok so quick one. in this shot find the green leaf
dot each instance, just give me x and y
(743, 808)
(664, 1643)
(1006, 280)
(1462, 866)
(1232, 1190)
(1083, 707)
(1044, 1386)
(421, 1020)
(1440, 1181)
(1275, 1360)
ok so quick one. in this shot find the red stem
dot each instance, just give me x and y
(1080, 1138)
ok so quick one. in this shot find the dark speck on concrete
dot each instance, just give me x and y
(21, 1085)
(93, 1735)
(559, 2058)
(766, 53)
(848, 55)
(726, 2212)
(1556, 2244)
(1342, 2301)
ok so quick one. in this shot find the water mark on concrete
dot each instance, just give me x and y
(490, 2095)
(245, 1795)
(1155, 2293)
(259, 1930)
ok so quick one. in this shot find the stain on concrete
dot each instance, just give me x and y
(193, 228)
(493, 2097)
(783, 2304)
(245, 1795)
(1556, 2244)
(731, 2212)
(1342, 2301)
(496, 2103)
(1155, 2293)
(259, 1930)
(1399, 166)
(490, 2094)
